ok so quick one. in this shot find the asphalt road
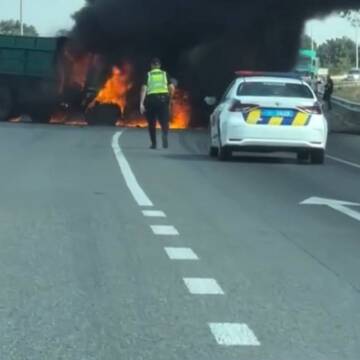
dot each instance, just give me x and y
(84, 276)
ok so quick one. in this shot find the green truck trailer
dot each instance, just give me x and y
(39, 76)
(28, 76)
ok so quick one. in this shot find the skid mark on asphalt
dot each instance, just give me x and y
(225, 334)
(180, 253)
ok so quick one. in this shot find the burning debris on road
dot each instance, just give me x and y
(112, 99)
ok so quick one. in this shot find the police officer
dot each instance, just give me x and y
(329, 89)
(155, 102)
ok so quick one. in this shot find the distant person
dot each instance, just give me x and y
(155, 102)
(329, 89)
(316, 85)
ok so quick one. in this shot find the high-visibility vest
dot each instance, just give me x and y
(157, 82)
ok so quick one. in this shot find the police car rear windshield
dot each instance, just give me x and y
(276, 89)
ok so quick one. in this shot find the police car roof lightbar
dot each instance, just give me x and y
(250, 73)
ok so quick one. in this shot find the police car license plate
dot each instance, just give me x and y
(278, 113)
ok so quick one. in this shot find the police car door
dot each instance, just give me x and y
(215, 116)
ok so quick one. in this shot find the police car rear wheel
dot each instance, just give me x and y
(213, 151)
(224, 153)
(303, 156)
(317, 156)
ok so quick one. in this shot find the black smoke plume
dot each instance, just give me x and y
(201, 42)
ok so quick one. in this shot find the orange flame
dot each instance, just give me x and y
(115, 89)
(180, 110)
(63, 118)
(76, 67)
(115, 92)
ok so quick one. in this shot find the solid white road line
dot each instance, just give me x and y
(178, 253)
(231, 334)
(342, 161)
(164, 230)
(130, 179)
(154, 213)
(199, 286)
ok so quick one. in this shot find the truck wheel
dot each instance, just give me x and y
(41, 117)
(6, 103)
(317, 156)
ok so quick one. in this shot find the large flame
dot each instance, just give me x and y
(115, 91)
(180, 110)
(73, 69)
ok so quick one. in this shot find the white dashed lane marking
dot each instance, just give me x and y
(226, 334)
(232, 334)
(164, 230)
(154, 213)
(200, 286)
(137, 192)
(178, 253)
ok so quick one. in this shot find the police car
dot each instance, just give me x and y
(268, 112)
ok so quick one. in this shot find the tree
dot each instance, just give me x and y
(353, 17)
(12, 27)
(349, 14)
(63, 32)
(307, 42)
(337, 54)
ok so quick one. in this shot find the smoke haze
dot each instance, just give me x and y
(202, 42)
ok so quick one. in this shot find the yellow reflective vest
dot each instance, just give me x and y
(157, 82)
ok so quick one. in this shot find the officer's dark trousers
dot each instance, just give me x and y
(327, 99)
(157, 109)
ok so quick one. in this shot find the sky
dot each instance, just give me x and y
(332, 26)
(49, 16)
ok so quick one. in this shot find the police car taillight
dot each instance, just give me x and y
(315, 109)
(238, 106)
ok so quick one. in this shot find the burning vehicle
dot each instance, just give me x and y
(95, 75)
(53, 80)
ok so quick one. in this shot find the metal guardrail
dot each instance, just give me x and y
(347, 84)
(346, 104)
(345, 117)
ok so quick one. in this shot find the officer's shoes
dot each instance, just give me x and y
(153, 147)
(165, 143)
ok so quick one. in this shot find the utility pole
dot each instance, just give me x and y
(355, 22)
(357, 45)
(312, 39)
(21, 19)
(354, 19)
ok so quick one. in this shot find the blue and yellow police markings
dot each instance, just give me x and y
(277, 117)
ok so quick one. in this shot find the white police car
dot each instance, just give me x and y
(268, 112)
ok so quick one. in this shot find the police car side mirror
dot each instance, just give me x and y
(210, 100)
